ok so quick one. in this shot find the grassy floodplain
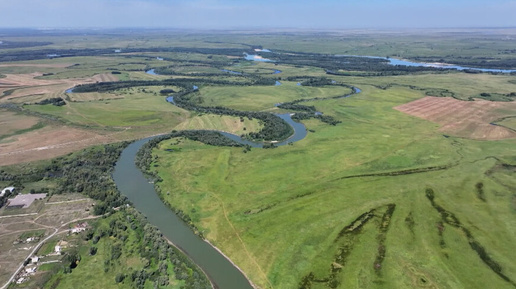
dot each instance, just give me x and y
(262, 98)
(278, 213)
(390, 197)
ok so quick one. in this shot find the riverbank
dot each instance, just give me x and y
(132, 183)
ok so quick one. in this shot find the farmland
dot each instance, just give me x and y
(411, 185)
(302, 209)
(469, 119)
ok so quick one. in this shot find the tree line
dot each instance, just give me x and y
(274, 127)
(21, 55)
(150, 245)
(89, 172)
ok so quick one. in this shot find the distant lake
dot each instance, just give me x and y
(255, 57)
(151, 72)
(404, 62)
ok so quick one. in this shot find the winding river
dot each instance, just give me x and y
(132, 183)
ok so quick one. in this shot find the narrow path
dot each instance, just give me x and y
(63, 202)
(20, 215)
(242, 241)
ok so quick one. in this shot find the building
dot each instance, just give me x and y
(24, 201)
(8, 189)
(79, 228)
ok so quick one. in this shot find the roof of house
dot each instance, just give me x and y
(24, 201)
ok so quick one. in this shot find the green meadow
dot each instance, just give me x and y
(382, 199)
(255, 98)
(279, 213)
(139, 108)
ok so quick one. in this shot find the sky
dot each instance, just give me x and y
(242, 14)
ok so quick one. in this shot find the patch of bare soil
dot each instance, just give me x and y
(471, 119)
(47, 143)
(10, 122)
(28, 84)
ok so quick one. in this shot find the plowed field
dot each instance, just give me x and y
(471, 119)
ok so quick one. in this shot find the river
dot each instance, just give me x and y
(132, 183)
(404, 62)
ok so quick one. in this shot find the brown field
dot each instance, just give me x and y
(11, 122)
(216, 122)
(29, 85)
(48, 142)
(471, 119)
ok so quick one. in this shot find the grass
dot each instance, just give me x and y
(299, 197)
(461, 85)
(37, 186)
(509, 122)
(220, 122)
(136, 108)
(38, 233)
(256, 98)
(46, 249)
(284, 215)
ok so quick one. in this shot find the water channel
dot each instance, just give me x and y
(404, 62)
(132, 183)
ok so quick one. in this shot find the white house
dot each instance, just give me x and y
(8, 189)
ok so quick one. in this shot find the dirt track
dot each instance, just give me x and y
(470, 119)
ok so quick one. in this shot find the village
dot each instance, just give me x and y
(36, 232)
(31, 265)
